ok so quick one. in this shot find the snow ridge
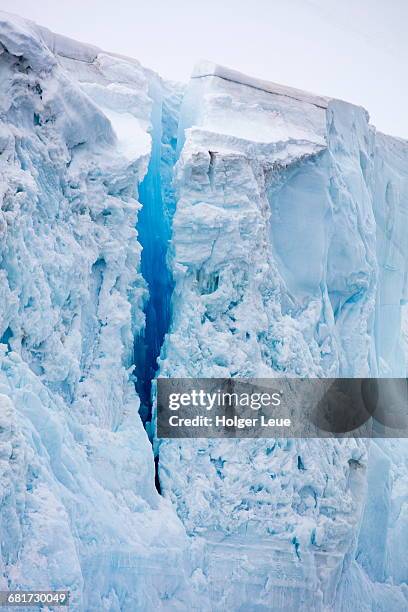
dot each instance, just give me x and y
(207, 69)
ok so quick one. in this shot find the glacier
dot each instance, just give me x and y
(79, 507)
(228, 227)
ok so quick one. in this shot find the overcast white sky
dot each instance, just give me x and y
(356, 50)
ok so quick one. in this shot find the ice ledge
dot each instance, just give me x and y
(64, 46)
(23, 36)
(204, 69)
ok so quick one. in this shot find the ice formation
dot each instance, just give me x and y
(289, 253)
(79, 509)
(274, 232)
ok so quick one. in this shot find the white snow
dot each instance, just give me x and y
(206, 68)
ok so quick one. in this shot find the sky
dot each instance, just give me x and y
(356, 50)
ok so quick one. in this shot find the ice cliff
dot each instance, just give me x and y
(289, 253)
(274, 231)
(79, 508)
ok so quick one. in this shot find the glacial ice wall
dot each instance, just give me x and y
(289, 254)
(78, 505)
(284, 235)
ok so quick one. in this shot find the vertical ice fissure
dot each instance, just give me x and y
(154, 227)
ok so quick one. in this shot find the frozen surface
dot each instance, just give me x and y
(289, 252)
(78, 505)
(284, 234)
(205, 69)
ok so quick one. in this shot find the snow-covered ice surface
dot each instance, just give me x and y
(287, 224)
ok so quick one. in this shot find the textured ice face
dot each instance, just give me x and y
(278, 252)
(79, 509)
(288, 254)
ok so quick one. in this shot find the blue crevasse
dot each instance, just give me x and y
(154, 230)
